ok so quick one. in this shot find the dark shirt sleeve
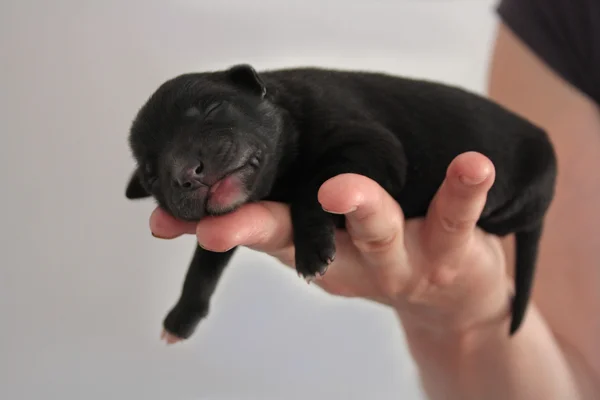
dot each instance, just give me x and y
(565, 34)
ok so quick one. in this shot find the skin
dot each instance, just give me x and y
(448, 281)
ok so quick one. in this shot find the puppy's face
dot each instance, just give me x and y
(206, 143)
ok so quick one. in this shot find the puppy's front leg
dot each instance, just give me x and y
(203, 275)
(313, 227)
(314, 236)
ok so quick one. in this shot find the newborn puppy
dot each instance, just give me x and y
(206, 143)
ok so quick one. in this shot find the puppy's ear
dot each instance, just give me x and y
(246, 77)
(135, 190)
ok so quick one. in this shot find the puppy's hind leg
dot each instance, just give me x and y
(527, 245)
(203, 275)
(527, 242)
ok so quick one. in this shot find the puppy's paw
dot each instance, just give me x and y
(181, 322)
(314, 254)
(169, 338)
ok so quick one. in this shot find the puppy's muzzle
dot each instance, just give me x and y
(190, 175)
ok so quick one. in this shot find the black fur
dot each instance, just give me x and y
(283, 133)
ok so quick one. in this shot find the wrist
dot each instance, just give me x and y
(454, 335)
(478, 312)
(448, 341)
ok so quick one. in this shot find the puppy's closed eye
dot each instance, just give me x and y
(195, 112)
(211, 108)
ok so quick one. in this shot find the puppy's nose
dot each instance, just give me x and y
(190, 177)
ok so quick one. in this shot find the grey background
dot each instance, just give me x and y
(84, 286)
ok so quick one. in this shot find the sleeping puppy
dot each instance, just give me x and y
(206, 143)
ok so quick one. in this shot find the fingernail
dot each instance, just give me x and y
(340, 213)
(199, 229)
(472, 181)
(215, 251)
(158, 237)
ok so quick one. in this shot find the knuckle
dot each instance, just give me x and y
(365, 214)
(453, 225)
(443, 275)
(376, 245)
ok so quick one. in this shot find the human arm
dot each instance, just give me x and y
(457, 328)
(567, 291)
(445, 279)
(557, 352)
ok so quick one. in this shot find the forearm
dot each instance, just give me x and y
(488, 364)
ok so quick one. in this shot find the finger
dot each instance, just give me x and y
(263, 226)
(456, 207)
(374, 219)
(165, 226)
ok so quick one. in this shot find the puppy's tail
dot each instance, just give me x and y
(527, 245)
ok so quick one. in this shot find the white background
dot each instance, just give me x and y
(84, 286)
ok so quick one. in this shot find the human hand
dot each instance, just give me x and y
(438, 272)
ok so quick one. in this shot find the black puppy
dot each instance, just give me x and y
(206, 143)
